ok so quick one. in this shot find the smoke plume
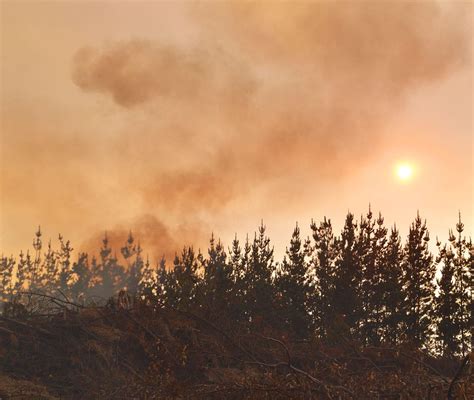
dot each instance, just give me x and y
(271, 98)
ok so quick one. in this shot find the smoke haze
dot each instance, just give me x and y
(260, 103)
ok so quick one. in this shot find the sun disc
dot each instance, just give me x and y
(404, 172)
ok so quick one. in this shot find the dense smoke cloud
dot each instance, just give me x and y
(269, 98)
(137, 71)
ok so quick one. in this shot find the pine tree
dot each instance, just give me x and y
(464, 280)
(133, 275)
(6, 277)
(455, 296)
(391, 290)
(367, 290)
(239, 261)
(49, 270)
(108, 275)
(373, 240)
(35, 272)
(64, 273)
(23, 272)
(259, 278)
(148, 280)
(446, 306)
(217, 281)
(418, 276)
(183, 280)
(294, 288)
(161, 289)
(324, 254)
(347, 277)
(81, 278)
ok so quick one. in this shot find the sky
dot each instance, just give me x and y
(178, 119)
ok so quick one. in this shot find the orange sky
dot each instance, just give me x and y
(176, 119)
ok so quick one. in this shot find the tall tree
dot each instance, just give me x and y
(367, 290)
(148, 279)
(464, 279)
(64, 265)
(239, 263)
(6, 276)
(23, 272)
(391, 290)
(324, 254)
(259, 277)
(455, 293)
(418, 276)
(81, 278)
(108, 274)
(293, 285)
(446, 306)
(134, 272)
(183, 280)
(347, 277)
(35, 267)
(217, 281)
(49, 269)
(373, 241)
(162, 291)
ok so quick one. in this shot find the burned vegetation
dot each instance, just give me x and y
(360, 315)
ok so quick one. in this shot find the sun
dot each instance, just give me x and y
(404, 172)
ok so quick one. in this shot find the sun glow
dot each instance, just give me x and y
(404, 172)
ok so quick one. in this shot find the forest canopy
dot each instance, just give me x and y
(365, 283)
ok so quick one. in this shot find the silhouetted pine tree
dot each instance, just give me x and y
(6, 277)
(183, 280)
(347, 277)
(64, 273)
(239, 261)
(324, 254)
(134, 272)
(147, 279)
(23, 271)
(49, 270)
(379, 248)
(368, 289)
(35, 267)
(81, 277)
(418, 276)
(455, 296)
(293, 287)
(259, 278)
(108, 275)
(464, 279)
(161, 288)
(373, 240)
(390, 289)
(217, 282)
(446, 307)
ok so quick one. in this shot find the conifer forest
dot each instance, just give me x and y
(358, 314)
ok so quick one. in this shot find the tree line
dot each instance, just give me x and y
(364, 284)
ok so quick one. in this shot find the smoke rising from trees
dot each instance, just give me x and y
(297, 93)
